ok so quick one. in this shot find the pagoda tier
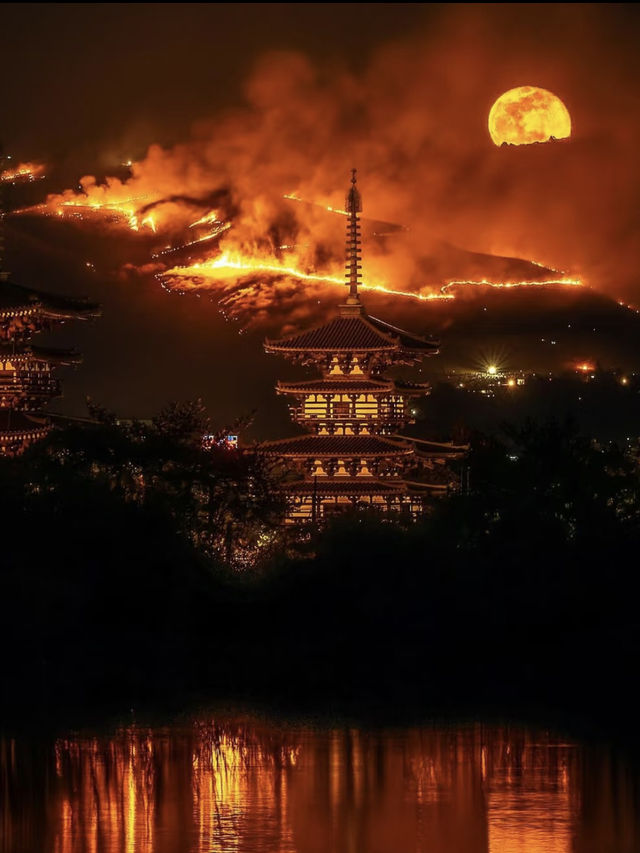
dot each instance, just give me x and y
(26, 374)
(312, 500)
(353, 455)
(346, 406)
(18, 430)
(24, 310)
(27, 382)
(354, 344)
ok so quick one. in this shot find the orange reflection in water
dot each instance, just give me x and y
(250, 786)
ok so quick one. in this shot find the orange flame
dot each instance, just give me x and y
(231, 266)
(121, 211)
(234, 265)
(23, 172)
(565, 280)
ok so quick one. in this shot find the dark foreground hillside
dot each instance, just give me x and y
(521, 594)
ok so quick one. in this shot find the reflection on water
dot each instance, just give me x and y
(245, 785)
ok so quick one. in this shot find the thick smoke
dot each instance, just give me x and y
(413, 120)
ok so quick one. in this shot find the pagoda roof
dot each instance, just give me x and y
(336, 446)
(336, 386)
(16, 423)
(353, 332)
(16, 299)
(412, 387)
(27, 352)
(437, 449)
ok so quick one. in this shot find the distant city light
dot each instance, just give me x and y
(492, 370)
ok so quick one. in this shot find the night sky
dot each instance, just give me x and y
(84, 88)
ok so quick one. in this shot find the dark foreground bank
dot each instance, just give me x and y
(522, 594)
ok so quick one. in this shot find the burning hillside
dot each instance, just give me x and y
(249, 207)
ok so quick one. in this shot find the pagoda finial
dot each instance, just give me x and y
(3, 275)
(353, 206)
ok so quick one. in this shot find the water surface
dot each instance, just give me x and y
(247, 785)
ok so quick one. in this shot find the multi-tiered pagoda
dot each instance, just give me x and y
(352, 455)
(27, 382)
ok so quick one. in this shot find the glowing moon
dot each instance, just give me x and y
(528, 114)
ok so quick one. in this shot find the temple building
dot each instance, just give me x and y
(27, 381)
(352, 454)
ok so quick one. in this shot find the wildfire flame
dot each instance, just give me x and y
(250, 288)
(564, 281)
(229, 265)
(208, 219)
(113, 211)
(23, 172)
(251, 254)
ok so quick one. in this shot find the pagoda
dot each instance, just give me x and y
(27, 382)
(352, 455)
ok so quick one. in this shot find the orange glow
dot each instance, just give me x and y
(207, 219)
(235, 265)
(565, 281)
(118, 211)
(245, 784)
(528, 114)
(294, 197)
(23, 172)
(585, 367)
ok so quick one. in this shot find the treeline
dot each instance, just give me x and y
(138, 568)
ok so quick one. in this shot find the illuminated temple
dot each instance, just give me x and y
(352, 455)
(27, 381)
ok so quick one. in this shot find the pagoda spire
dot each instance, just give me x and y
(353, 267)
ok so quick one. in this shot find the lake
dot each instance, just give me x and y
(249, 784)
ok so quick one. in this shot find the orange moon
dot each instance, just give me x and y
(528, 114)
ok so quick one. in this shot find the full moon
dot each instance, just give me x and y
(528, 114)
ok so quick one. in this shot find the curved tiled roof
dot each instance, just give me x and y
(412, 387)
(27, 352)
(17, 423)
(353, 333)
(437, 449)
(15, 299)
(336, 386)
(407, 339)
(338, 446)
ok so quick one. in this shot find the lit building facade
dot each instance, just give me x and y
(352, 455)
(27, 380)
